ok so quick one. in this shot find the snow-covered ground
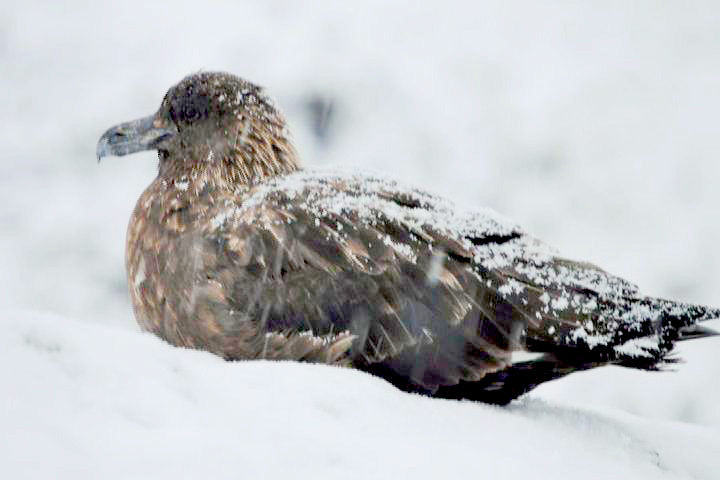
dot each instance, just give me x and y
(94, 401)
(593, 124)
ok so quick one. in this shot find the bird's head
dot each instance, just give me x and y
(210, 121)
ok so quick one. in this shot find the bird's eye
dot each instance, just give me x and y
(188, 109)
(189, 112)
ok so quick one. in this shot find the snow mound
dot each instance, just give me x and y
(89, 401)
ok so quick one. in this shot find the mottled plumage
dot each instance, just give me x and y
(236, 250)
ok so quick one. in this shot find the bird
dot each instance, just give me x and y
(236, 249)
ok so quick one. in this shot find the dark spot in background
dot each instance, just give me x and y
(321, 115)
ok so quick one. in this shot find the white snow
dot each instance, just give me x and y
(593, 125)
(638, 347)
(95, 401)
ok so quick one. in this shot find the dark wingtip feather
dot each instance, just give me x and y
(696, 331)
(710, 314)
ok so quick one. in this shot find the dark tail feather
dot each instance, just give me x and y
(696, 331)
(681, 321)
(500, 388)
(678, 323)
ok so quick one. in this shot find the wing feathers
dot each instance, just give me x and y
(414, 282)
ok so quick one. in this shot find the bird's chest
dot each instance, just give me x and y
(172, 268)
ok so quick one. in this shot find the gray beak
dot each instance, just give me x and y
(136, 136)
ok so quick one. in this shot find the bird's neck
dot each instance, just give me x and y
(234, 169)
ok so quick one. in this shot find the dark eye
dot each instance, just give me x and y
(194, 108)
(190, 112)
(187, 106)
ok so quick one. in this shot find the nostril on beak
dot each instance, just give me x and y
(117, 137)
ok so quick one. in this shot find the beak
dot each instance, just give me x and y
(136, 136)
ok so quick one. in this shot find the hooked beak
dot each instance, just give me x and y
(139, 135)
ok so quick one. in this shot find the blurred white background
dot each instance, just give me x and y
(593, 124)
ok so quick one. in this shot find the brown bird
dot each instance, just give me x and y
(235, 249)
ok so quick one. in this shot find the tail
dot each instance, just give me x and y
(677, 322)
(633, 332)
(646, 350)
(672, 329)
(696, 331)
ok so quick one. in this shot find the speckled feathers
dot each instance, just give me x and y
(235, 250)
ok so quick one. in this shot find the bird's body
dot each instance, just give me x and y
(236, 250)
